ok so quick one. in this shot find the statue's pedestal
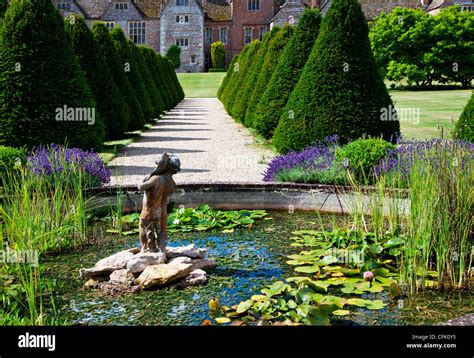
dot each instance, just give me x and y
(129, 271)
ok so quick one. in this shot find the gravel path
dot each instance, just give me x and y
(211, 145)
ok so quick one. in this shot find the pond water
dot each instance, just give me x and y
(248, 260)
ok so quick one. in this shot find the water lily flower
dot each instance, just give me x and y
(368, 276)
(176, 221)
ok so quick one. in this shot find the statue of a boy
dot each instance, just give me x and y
(154, 216)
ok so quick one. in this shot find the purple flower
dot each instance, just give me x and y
(56, 159)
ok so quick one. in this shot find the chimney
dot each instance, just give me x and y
(315, 3)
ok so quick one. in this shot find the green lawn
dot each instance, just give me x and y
(436, 108)
(201, 85)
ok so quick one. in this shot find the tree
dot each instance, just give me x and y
(248, 83)
(400, 40)
(245, 61)
(237, 109)
(287, 73)
(151, 91)
(340, 90)
(176, 86)
(44, 97)
(276, 47)
(452, 39)
(465, 126)
(110, 106)
(174, 55)
(228, 77)
(132, 70)
(218, 54)
(156, 73)
(117, 71)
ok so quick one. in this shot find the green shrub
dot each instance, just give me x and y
(232, 88)
(218, 55)
(340, 90)
(361, 156)
(237, 102)
(232, 73)
(39, 76)
(156, 73)
(217, 70)
(106, 94)
(113, 62)
(287, 73)
(174, 55)
(132, 70)
(9, 159)
(246, 89)
(176, 86)
(276, 47)
(165, 81)
(465, 126)
(150, 88)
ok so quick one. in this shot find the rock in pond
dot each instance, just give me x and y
(163, 274)
(191, 251)
(140, 261)
(181, 260)
(109, 264)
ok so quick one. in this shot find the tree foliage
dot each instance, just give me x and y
(410, 45)
(174, 55)
(218, 54)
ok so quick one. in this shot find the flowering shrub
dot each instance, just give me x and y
(316, 159)
(57, 159)
(400, 160)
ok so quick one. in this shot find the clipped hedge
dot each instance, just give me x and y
(340, 90)
(226, 82)
(113, 62)
(218, 55)
(174, 55)
(110, 105)
(150, 88)
(41, 75)
(132, 70)
(287, 73)
(275, 49)
(464, 129)
(246, 90)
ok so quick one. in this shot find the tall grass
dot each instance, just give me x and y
(434, 215)
(40, 214)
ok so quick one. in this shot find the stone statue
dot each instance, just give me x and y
(154, 216)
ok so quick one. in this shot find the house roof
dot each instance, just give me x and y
(218, 10)
(372, 8)
(93, 9)
(151, 8)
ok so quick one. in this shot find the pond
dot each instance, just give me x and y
(248, 260)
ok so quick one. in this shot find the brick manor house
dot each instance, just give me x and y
(194, 25)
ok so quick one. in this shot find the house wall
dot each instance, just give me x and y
(253, 19)
(170, 30)
(216, 26)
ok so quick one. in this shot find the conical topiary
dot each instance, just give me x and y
(287, 73)
(246, 57)
(127, 95)
(106, 94)
(150, 88)
(237, 110)
(248, 85)
(464, 129)
(228, 77)
(150, 58)
(132, 70)
(44, 97)
(340, 90)
(275, 49)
